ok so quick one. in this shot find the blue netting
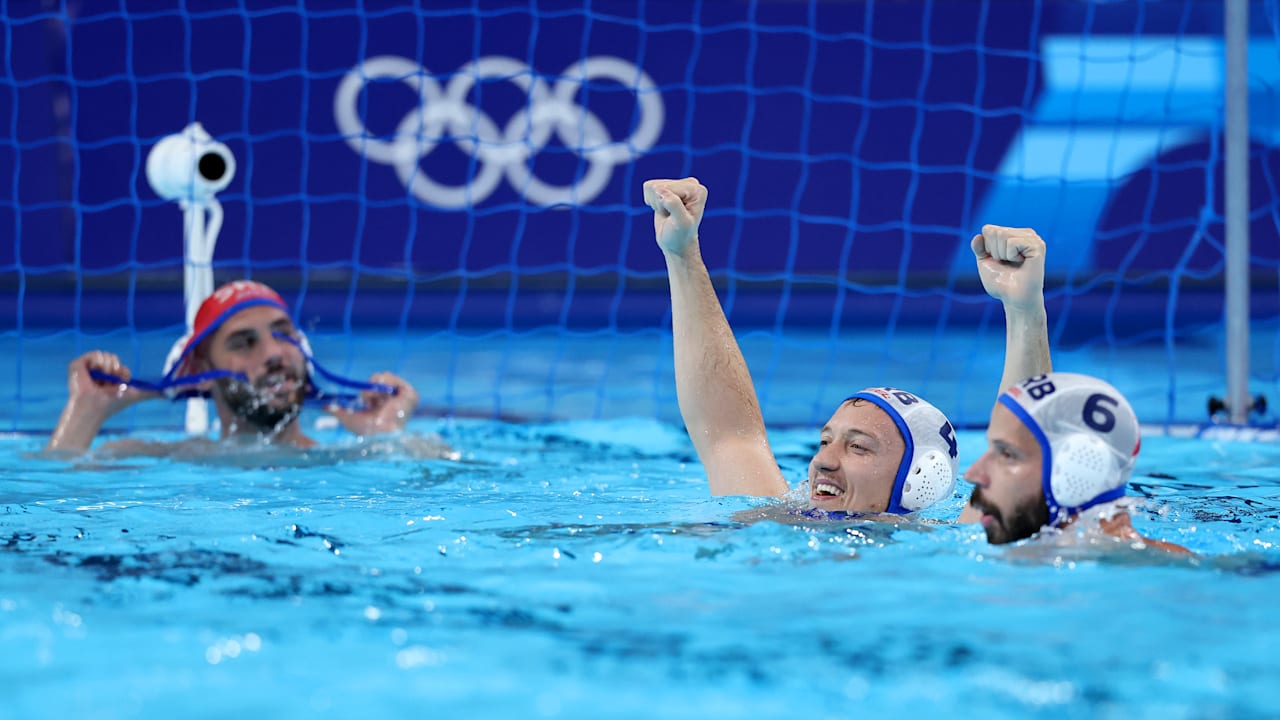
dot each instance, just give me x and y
(467, 175)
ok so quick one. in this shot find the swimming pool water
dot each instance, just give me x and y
(579, 569)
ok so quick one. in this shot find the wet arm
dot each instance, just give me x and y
(77, 427)
(1011, 264)
(90, 402)
(716, 396)
(1026, 343)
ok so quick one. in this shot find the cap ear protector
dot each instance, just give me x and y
(930, 458)
(1088, 436)
(1079, 461)
(930, 479)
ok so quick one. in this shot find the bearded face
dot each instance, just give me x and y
(268, 403)
(254, 343)
(1017, 523)
(1008, 492)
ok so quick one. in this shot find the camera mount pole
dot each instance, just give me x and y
(190, 168)
(202, 219)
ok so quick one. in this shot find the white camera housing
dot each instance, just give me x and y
(190, 166)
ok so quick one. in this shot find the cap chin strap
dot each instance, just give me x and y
(173, 388)
(315, 393)
(178, 388)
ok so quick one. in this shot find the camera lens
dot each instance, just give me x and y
(212, 167)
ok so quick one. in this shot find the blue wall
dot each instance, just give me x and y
(837, 138)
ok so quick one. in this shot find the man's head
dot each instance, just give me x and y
(884, 450)
(244, 327)
(1057, 444)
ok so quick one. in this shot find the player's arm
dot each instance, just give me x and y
(1121, 526)
(91, 402)
(1011, 265)
(380, 412)
(717, 398)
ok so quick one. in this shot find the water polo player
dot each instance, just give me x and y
(884, 449)
(246, 354)
(1059, 444)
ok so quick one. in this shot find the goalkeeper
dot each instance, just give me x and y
(245, 352)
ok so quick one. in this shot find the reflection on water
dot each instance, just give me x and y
(585, 559)
(250, 451)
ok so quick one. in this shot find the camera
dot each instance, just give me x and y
(190, 166)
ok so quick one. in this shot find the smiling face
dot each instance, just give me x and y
(275, 368)
(1008, 487)
(858, 457)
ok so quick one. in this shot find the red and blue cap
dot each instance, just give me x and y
(225, 302)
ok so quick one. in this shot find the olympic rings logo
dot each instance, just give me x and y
(444, 113)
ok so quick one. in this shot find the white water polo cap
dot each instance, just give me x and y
(1088, 434)
(930, 460)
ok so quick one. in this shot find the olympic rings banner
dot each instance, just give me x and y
(469, 140)
(445, 112)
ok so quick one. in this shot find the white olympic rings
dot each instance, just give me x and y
(445, 113)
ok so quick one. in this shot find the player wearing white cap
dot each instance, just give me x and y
(884, 449)
(1058, 445)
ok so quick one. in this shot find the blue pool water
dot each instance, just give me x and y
(577, 568)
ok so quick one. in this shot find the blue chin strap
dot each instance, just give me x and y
(179, 388)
